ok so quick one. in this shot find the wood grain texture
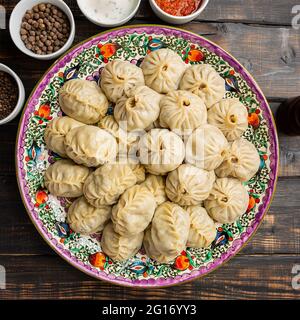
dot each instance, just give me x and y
(250, 277)
(274, 57)
(279, 233)
(246, 11)
(259, 34)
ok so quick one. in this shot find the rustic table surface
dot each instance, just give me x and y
(258, 33)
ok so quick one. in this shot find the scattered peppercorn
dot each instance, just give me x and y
(8, 94)
(45, 29)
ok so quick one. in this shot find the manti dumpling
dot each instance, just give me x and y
(138, 110)
(182, 110)
(134, 211)
(206, 147)
(230, 116)
(156, 185)
(204, 81)
(65, 178)
(120, 248)
(56, 131)
(202, 228)
(161, 151)
(152, 252)
(86, 219)
(169, 229)
(83, 101)
(163, 70)
(127, 141)
(139, 171)
(228, 200)
(105, 185)
(153, 125)
(189, 185)
(90, 146)
(241, 161)
(119, 77)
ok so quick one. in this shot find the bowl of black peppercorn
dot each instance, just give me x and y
(12, 94)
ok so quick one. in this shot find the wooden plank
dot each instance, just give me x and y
(271, 54)
(250, 11)
(255, 277)
(278, 234)
(7, 158)
(263, 269)
(289, 155)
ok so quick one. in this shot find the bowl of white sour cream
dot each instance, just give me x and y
(109, 13)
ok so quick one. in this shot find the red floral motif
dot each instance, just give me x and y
(183, 262)
(41, 198)
(106, 51)
(43, 113)
(253, 120)
(195, 55)
(251, 203)
(98, 260)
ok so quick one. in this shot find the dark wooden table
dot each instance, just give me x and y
(257, 32)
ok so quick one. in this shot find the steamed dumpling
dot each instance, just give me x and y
(134, 211)
(120, 248)
(65, 178)
(204, 81)
(83, 101)
(139, 171)
(156, 185)
(241, 161)
(163, 70)
(153, 125)
(170, 229)
(127, 141)
(56, 131)
(182, 110)
(86, 219)
(202, 229)
(206, 147)
(119, 77)
(161, 151)
(105, 185)
(152, 252)
(110, 124)
(189, 185)
(90, 146)
(228, 200)
(139, 109)
(230, 116)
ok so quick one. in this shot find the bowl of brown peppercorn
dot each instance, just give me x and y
(42, 30)
(12, 94)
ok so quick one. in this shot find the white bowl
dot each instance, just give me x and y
(106, 24)
(21, 93)
(176, 19)
(16, 20)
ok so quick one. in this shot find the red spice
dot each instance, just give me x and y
(179, 7)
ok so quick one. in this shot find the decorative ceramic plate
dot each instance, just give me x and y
(48, 213)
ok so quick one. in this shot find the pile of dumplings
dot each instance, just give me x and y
(163, 169)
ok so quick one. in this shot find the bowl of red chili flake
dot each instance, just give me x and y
(178, 11)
